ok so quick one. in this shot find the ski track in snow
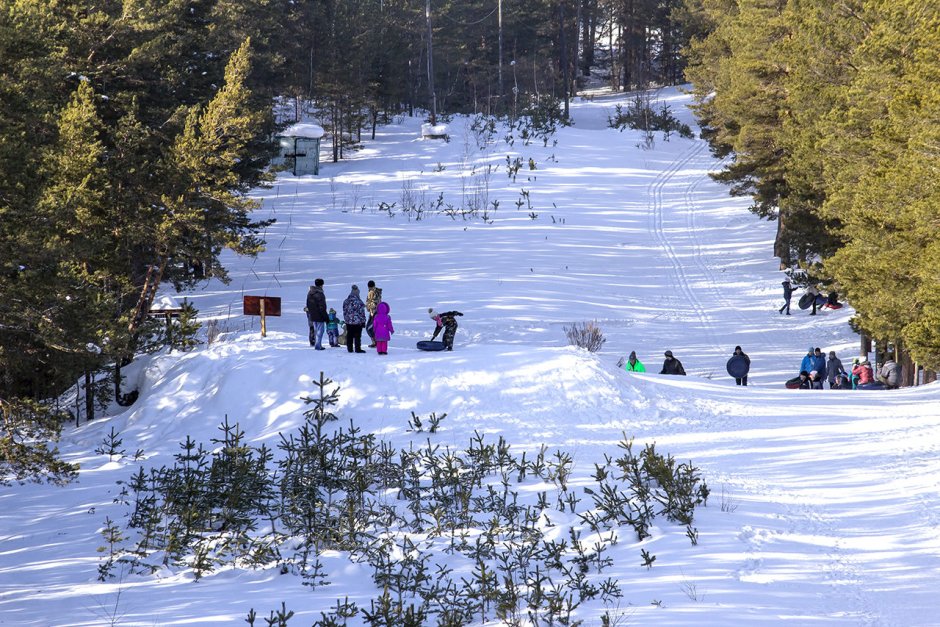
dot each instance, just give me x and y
(691, 208)
(681, 283)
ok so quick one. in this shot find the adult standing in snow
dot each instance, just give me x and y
(739, 365)
(890, 373)
(382, 328)
(448, 322)
(814, 292)
(373, 298)
(317, 314)
(809, 361)
(633, 364)
(835, 372)
(787, 295)
(819, 365)
(672, 365)
(354, 315)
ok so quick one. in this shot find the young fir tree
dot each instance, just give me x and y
(210, 168)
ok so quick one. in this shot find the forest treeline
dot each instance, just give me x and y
(131, 133)
(831, 112)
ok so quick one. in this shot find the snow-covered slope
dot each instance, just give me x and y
(824, 506)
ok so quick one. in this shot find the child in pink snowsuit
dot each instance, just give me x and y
(382, 326)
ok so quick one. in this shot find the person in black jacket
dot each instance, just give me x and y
(787, 294)
(672, 365)
(805, 382)
(738, 352)
(317, 314)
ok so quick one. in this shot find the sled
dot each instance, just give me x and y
(833, 305)
(738, 366)
(793, 384)
(874, 385)
(806, 301)
(428, 345)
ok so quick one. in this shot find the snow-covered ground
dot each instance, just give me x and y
(825, 506)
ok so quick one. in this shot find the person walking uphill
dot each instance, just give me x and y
(448, 322)
(354, 315)
(672, 365)
(787, 295)
(815, 294)
(317, 314)
(373, 298)
(382, 328)
(739, 365)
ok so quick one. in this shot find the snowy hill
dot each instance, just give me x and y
(824, 505)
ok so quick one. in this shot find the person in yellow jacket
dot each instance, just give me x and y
(373, 298)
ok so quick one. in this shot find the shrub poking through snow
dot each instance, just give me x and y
(585, 335)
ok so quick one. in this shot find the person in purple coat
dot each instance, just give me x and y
(382, 326)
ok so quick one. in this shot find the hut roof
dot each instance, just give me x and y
(303, 129)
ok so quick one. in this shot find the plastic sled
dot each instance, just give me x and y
(737, 366)
(794, 383)
(428, 345)
(874, 385)
(806, 301)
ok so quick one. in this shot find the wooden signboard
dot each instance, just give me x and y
(262, 306)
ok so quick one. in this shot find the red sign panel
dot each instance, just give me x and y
(252, 305)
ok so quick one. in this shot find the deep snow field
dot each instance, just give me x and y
(825, 506)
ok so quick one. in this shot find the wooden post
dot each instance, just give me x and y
(264, 329)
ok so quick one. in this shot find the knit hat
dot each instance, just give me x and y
(737, 348)
(668, 353)
(832, 354)
(632, 356)
(810, 351)
(355, 288)
(431, 313)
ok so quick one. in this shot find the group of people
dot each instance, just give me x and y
(671, 365)
(813, 298)
(373, 315)
(738, 365)
(815, 370)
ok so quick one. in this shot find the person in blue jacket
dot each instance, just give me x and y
(819, 363)
(809, 361)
